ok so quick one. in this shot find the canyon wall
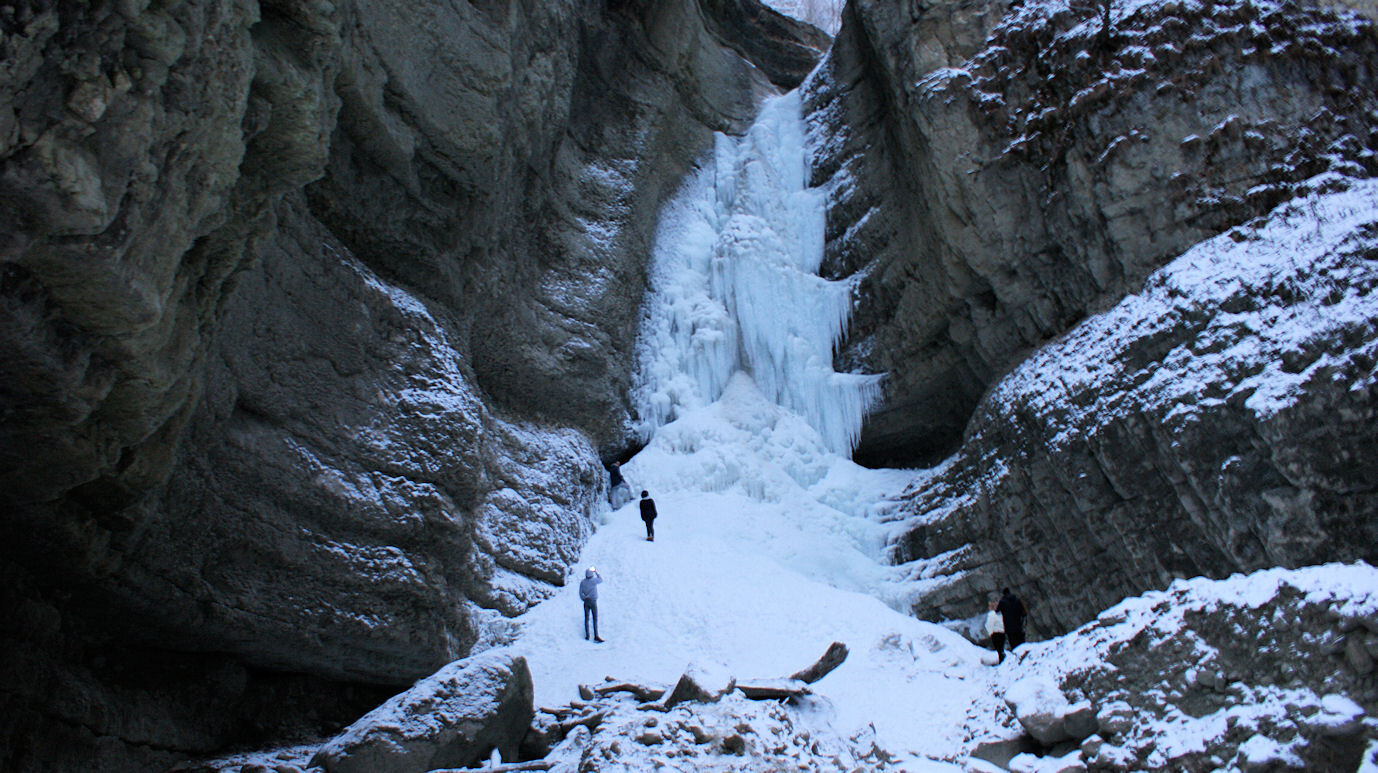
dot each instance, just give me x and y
(317, 322)
(1000, 177)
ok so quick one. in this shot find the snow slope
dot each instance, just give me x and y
(763, 556)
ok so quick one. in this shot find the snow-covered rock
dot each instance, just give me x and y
(1217, 420)
(1040, 707)
(452, 719)
(1288, 699)
(998, 171)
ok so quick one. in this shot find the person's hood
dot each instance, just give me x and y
(589, 572)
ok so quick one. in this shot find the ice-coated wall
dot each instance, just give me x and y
(823, 14)
(734, 287)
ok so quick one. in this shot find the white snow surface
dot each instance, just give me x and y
(764, 554)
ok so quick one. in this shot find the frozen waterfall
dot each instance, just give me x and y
(734, 288)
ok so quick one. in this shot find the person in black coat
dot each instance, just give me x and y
(648, 514)
(618, 492)
(1012, 611)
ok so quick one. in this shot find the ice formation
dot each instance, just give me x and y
(734, 287)
(823, 14)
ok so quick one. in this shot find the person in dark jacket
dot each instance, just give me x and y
(619, 493)
(1012, 610)
(648, 514)
(588, 593)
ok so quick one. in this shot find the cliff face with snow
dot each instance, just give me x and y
(317, 317)
(999, 176)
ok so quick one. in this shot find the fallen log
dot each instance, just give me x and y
(562, 729)
(837, 652)
(639, 691)
(506, 767)
(774, 689)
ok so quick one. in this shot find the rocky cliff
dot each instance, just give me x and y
(317, 319)
(999, 177)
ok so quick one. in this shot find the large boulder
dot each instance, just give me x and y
(454, 718)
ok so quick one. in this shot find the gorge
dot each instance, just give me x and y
(322, 320)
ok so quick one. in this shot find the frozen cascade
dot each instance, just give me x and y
(734, 287)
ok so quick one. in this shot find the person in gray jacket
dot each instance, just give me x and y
(588, 592)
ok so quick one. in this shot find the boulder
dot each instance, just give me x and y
(1079, 721)
(452, 719)
(1040, 708)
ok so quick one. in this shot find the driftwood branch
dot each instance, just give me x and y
(590, 721)
(837, 652)
(639, 691)
(774, 689)
(506, 767)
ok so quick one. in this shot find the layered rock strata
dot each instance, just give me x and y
(1217, 421)
(317, 317)
(998, 176)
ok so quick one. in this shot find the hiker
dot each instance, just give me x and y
(619, 493)
(1012, 610)
(648, 514)
(995, 628)
(588, 592)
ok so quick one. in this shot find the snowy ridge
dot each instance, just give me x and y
(733, 286)
(1225, 347)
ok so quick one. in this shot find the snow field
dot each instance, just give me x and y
(753, 574)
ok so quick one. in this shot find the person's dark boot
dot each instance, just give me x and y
(596, 639)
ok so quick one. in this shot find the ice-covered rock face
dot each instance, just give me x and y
(823, 14)
(734, 288)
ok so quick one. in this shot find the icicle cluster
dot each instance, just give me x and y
(734, 287)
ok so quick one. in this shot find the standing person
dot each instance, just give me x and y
(619, 493)
(588, 593)
(995, 627)
(1013, 612)
(648, 514)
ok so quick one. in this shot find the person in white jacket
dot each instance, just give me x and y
(995, 626)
